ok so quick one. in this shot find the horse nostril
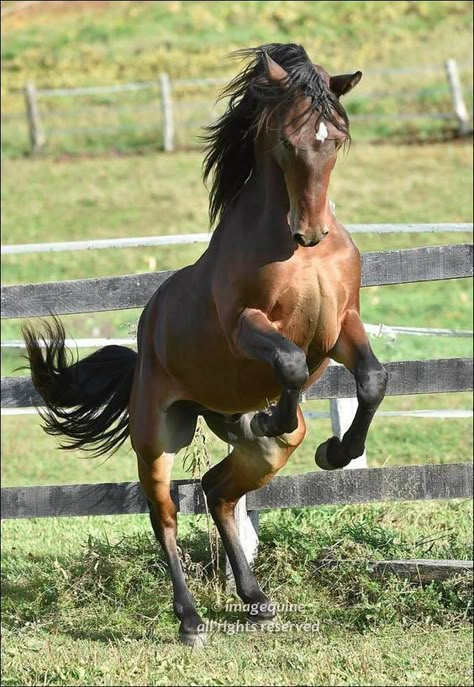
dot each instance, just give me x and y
(303, 240)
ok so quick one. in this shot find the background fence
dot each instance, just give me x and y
(341, 410)
(168, 114)
(349, 486)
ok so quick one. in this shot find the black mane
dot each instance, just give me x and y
(229, 150)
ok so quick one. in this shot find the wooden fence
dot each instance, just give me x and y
(365, 485)
(166, 117)
(317, 488)
(134, 290)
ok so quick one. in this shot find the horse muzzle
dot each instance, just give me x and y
(310, 237)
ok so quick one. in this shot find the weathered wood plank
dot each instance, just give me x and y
(83, 499)
(413, 482)
(134, 291)
(416, 569)
(118, 498)
(422, 570)
(430, 263)
(19, 392)
(365, 485)
(81, 295)
(405, 378)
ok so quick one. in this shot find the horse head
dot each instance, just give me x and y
(303, 129)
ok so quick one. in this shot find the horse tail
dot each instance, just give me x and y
(86, 400)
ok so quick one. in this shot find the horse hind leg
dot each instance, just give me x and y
(252, 463)
(156, 437)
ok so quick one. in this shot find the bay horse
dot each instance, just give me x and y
(255, 320)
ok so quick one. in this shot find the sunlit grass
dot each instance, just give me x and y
(87, 601)
(144, 195)
(119, 42)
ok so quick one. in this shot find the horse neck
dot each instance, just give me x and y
(269, 176)
(265, 192)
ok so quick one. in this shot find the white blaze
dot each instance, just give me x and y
(322, 132)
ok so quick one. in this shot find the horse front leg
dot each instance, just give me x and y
(256, 338)
(353, 350)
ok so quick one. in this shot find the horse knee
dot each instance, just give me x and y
(220, 503)
(371, 385)
(291, 367)
(213, 484)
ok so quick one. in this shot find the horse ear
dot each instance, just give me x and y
(342, 84)
(273, 71)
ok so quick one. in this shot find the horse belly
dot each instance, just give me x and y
(208, 373)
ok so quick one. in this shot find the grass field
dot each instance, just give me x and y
(68, 44)
(87, 601)
(90, 198)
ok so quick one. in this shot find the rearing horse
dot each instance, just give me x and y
(255, 319)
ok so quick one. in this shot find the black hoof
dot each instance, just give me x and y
(331, 456)
(261, 612)
(265, 424)
(193, 631)
(195, 640)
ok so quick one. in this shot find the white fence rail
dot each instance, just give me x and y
(377, 330)
(341, 411)
(430, 413)
(135, 242)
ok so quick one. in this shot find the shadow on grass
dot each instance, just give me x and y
(111, 591)
(108, 591)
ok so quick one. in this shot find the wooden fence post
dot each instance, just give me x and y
(457, 96)
(247, 529)
(167, 110)
(35, 126)
(342, 413)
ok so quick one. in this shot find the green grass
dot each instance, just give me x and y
(89, 198)
(88, 602)
(53, 200)
(117, 42)
(31, 457)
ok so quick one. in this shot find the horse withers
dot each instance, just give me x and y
(256, 319)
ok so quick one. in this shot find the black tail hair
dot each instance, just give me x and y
(86, 400)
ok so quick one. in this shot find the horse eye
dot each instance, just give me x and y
(286, 144)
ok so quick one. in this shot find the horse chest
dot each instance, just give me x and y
(307, 316)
